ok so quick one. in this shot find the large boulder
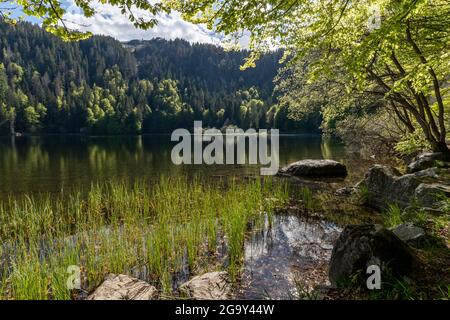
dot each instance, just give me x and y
(123, 287)
(428, 160)
(315, 168)
(209, 286)
(360, 246)
(385, 186)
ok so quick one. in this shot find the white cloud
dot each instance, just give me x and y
(109, 21)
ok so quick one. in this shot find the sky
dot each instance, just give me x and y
(109, 21)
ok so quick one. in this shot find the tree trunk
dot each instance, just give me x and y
(443, 147)
(12, 130)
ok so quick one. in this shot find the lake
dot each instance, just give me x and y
(32, 164)
(277, 257)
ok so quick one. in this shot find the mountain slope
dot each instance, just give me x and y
(102, 86)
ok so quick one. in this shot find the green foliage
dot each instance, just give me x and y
(100, 86)
(252, 109)
(412, 142)
(402, 62)
(393, 216)
(420, 218)
(396, 289)
(444, 203)
(33, 115)
(363, 193)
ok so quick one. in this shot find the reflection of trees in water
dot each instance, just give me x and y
(50, 163)
(99, 158)
(129, 157)
(294, 148)
(326, 149)
(23, 159)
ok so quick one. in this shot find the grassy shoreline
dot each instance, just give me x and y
(172, 226)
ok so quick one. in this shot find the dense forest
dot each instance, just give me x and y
(102, 86)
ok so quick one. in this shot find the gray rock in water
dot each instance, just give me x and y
(409, 233)
(123, 287)
(209, 286)
(428, 160)
(359, 246)
(315, 168)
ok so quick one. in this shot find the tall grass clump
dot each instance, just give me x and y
(393, 216)
(171, 226)
(310, 204)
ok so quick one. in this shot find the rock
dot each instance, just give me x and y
(428, 194)
(427, 160)
(359, 246)
(409, 233)
(344, 192)
(433, 173)
(427, 210)
(123, 287)
(209, 286)
(315, 168)
(386, 186)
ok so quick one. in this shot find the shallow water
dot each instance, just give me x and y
(293, 254)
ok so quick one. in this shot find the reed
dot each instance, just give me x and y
(310, 204)
(165, 228)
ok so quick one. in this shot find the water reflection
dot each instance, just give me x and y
(51, 163)
(279, 258)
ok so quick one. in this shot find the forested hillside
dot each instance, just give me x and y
(101, 86)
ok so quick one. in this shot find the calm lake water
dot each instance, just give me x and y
(55, 163)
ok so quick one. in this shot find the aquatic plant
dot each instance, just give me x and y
(309, 203)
